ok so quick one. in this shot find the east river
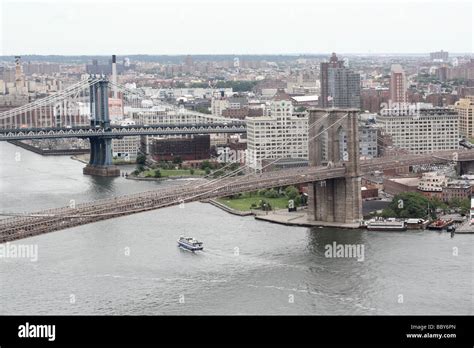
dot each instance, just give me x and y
(132, 265)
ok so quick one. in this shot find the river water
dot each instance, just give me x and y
(131, 265)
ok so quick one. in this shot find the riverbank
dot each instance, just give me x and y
(229, 209)
(298, 218)
(48, 152)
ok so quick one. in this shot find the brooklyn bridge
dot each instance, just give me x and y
(333, 175)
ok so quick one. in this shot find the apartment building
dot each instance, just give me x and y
(465, 110)
(280, 134)
(421, 128)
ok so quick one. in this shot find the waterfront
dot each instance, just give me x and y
(272, 265)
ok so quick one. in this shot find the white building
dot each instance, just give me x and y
(432, 182)
(280, 134)
(126, 149)
(421, 128)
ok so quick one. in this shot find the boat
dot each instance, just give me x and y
(386, 225)
(439, 224)
(189, 243)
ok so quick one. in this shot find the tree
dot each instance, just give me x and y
(191, 171)
(141, 159)
(291, 192)
(264, 205)
(272, 193)
(205, 164)
(157, 173)
(177, 160)
(409, 205)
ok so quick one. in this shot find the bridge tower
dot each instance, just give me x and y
(100, 163)
(334, 141)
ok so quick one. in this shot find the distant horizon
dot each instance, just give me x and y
(242, 27)
(238, 54)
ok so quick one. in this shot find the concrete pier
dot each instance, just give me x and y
(101, 170)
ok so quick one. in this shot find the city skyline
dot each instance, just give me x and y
(238, 28)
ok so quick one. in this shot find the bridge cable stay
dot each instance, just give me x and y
(49, 99)
(215, 181)
(247, 166)
(170, 203)
(27, 112)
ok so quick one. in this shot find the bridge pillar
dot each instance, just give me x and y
(335, 139)
(100, 163)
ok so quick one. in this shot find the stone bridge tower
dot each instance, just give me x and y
(335, 200)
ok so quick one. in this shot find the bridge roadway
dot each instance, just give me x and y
(32, 224)
(122, 131)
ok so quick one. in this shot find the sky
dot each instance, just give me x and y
(104, 27)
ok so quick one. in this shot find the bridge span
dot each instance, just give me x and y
(32, 224)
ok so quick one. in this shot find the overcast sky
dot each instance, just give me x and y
(234, 27)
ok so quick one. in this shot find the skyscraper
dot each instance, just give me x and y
(398, 85)
(333, 63)
(340, 86)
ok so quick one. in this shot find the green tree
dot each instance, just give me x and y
(291, 192)
(205, 164)
(141, 159)
(191, 171)
(272, 193)
(409, 205)
(264, 205)
(157, 173)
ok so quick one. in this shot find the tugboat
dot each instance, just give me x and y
(189, 243)
(439, 224)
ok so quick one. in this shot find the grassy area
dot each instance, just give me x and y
(174, 172)
(244, 203)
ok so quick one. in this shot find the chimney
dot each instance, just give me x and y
(114, 76)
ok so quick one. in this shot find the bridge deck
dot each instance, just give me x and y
(61, 218)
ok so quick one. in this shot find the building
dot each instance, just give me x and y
(126, 149)
(280, 134)
(421, 128)
(396, 186)
(440, 56)
(340, 86)
(219, 104)
(334, 62)
(456, 190)
(398, 84)
(188, 149)
(373, 99)
(368, 143)
(465, 109)
(432, 182)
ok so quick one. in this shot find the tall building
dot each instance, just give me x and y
(340, 86)
(398, 84)
(421, 128)
(465, 110)
(334, 62)
(282, 133)
(440, 56)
